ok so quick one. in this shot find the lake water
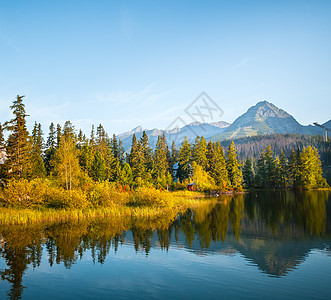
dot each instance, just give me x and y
(254, 246)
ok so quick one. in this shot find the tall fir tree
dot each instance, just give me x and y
(199, 153)
(218, 169)
(248, 174)
(58, 135)
(184, 157)
(160, 163)
(233, 167)
(18, 144)
(36, 159)
(147, 151)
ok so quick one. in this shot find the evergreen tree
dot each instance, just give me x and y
(50, 148)
(114, 146)
(311, 170)
(36, 160)
(160, 162)
(283, 177)
(125, 176)
(184, 157)
(147, 151)
(174, 155)
(2, 139)
(233, 168)
(218, 169)
(248, 174)
(98, 167)
(133, 151)
(199, 152)
(58, 135)
(18, 143)
(121, 153)
(294, 169)
(210, 156)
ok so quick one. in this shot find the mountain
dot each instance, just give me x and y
(264, 118)
(191, 130)
(261, 119)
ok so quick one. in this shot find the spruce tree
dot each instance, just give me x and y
(58, 135)
(199, 152)
(218, 169)
(147, 151)
(233, 167)
(248, 174)
(160, 162)
(184, 157)
(18, 144)
(283, 177)
(36, 158)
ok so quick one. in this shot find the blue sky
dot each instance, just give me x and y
(130, 63)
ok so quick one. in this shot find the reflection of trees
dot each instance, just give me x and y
(23, 247)
(305, 210)
(259, 214)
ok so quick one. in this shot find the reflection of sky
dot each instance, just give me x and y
(176, 274)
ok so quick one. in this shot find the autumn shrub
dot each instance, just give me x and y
(144, 196)
(24, 193)
(60, 198)
(106, 193)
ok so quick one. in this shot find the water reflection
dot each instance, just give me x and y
(273, 230)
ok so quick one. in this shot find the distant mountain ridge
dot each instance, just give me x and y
(261, 119)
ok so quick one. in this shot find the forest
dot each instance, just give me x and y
(72, 170)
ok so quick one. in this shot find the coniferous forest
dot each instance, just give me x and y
(69, 169)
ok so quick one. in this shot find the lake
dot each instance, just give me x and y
(273, 244)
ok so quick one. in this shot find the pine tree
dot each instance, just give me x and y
(218, 169)
(37, 164)
(248, 174)
(174, 155)
(2, 139)
(50, 148)
(147, 151)
(121, 153)
(114, 146)
(160, 162)
(210, 156)
(294, 169)
(18, 143)
(58, 135)
(233, 167)
(125, 176)
(283, 177)
(133, 151)
(199, 152)
(184, 157)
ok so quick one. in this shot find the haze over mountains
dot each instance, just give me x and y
(261, 119)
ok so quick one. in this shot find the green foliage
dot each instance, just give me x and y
(18, 146)
(248, 174)
(184, 157)
(233, 167)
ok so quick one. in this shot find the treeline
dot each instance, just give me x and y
(301, 170)
(252, 146)
(73, 161)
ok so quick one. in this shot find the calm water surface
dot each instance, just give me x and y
(259, 245)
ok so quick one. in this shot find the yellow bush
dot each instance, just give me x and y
(151, 197)
(105, 193)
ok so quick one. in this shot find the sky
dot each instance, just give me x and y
(130, 63)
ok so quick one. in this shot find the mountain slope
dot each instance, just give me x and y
(261, 119)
